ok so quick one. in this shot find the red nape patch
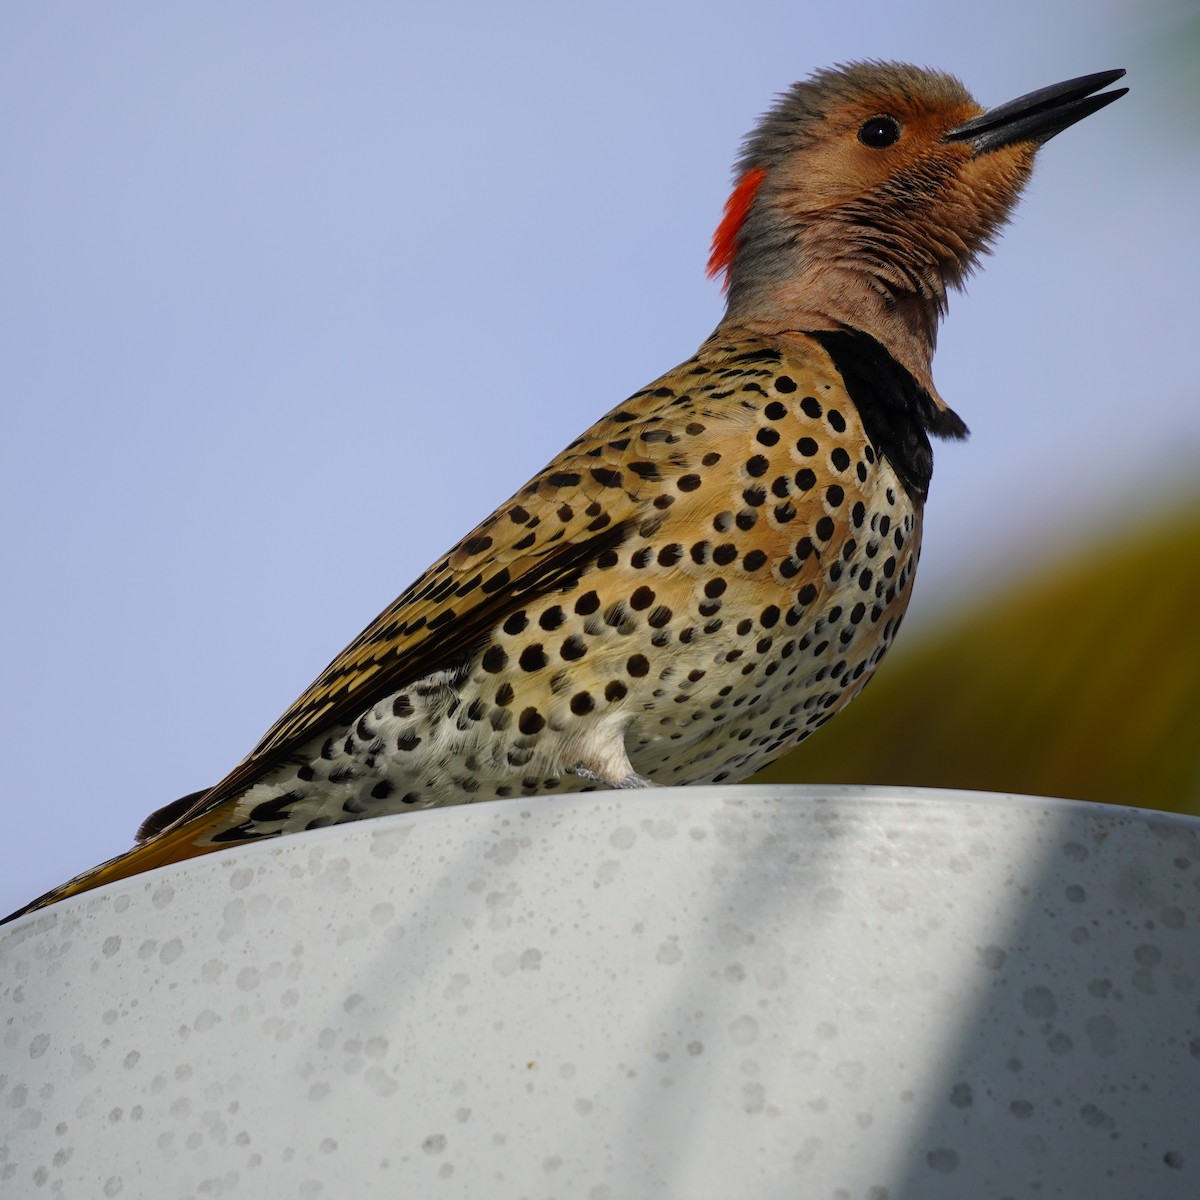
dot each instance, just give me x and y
(725, 240)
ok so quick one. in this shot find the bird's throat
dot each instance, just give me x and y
(835, 300)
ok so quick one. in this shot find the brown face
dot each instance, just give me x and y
(858, 146)
(882, 164)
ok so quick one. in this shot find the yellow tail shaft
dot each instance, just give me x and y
(175, 845)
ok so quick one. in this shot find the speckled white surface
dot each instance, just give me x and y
(860, 994)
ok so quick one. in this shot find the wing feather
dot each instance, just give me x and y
(584, 504)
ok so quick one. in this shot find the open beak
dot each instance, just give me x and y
(1038, 116)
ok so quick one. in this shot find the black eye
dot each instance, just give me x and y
(879, 133)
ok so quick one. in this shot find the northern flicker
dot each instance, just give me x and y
(716, 567)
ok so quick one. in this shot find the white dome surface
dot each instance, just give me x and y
(852, 993)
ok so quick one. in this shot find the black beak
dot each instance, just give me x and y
(1040, 115)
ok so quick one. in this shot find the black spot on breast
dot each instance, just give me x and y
(533, 658)
(530, 721)
(642, 598)
(494, 660)
(552, 618)
(659, 617)
(587, 604)
(573, 648)
(615, 614)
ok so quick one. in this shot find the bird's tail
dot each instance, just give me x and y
(174, 845)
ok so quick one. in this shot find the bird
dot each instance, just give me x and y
(716, 567)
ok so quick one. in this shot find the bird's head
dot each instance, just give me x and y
(869, 190)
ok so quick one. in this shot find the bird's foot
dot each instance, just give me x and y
(631, 780)
(634, 780)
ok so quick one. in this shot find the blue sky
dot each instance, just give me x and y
(293, 294)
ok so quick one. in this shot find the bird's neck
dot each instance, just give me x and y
(831, 283)
(832, 299)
